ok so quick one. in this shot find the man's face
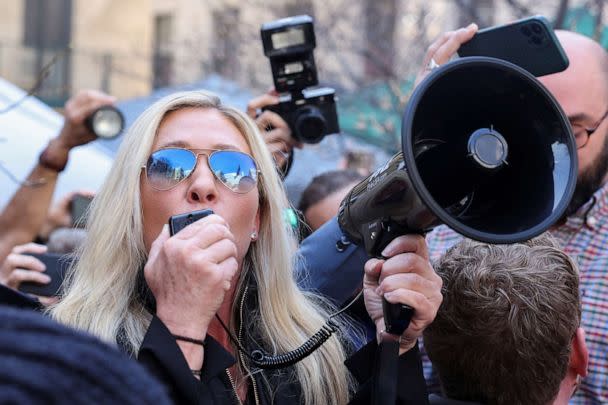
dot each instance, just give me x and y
(582, 92)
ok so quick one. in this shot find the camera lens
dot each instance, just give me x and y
(106, 122)
(310, 125)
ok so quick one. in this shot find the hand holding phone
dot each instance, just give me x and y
(529, 43)
(56, 266)
(444, 48)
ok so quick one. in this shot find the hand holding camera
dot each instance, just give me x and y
(77, 128)
(274, 129)
(88, 115)
(310, 112)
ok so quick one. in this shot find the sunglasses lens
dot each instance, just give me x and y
(236, 170)
(167, 167)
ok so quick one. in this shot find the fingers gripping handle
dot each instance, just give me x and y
(396, 316)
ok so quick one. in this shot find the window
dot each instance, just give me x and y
(47, 30)
(226, 42)
(163, 54)
(48, 23)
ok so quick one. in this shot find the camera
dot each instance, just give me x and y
(309, 111)
(106, 122)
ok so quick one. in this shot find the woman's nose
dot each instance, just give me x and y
(203, 187)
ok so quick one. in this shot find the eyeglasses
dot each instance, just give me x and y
(168, 167)
(582, 134)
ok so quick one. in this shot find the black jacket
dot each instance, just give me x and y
(161, 355)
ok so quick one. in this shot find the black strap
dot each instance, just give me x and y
(386, 372)
(396, 319)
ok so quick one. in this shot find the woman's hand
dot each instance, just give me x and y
(190, 273)
(406, 277)
(444, 48)
(18, 267)
(274, 129)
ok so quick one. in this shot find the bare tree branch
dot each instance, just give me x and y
(469, 9)
(520, 9)
(560, 15)
(597, 32)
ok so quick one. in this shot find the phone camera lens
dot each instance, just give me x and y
(526, 31)
(536, 28)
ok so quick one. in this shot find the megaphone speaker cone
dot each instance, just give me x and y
(489, 150)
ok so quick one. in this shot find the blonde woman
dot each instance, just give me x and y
(159, 297)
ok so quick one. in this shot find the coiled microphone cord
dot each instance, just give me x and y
(266, 361)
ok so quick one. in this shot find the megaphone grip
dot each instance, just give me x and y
(397, 317)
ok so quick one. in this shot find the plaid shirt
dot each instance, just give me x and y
(584, 237)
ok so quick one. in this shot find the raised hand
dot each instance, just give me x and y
(406, 277)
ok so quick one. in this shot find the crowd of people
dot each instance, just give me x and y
(524, 323)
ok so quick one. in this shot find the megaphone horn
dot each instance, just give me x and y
(486, 150)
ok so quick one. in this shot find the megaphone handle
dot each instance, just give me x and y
(396, 316)
(376, 237)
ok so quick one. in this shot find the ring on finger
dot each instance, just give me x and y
(432, 64)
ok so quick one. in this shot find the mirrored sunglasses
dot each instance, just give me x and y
(168, 167)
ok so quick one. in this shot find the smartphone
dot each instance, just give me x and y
(79, 207)
(179, 222)
(56, 267)
(529, 43)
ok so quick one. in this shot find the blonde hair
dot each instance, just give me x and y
(100, 293)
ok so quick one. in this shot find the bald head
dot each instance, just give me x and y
(581, 49)
(588, 71)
